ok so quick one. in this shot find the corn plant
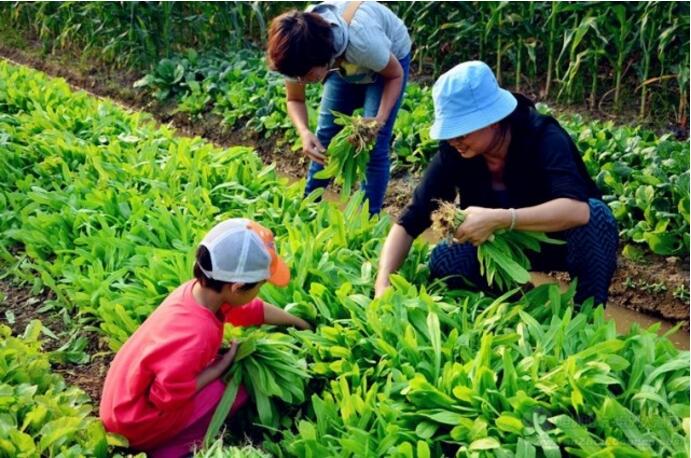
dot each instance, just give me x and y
(137, 35)
(551, 40)
(623, 42)
(584, 44)
(647, 38)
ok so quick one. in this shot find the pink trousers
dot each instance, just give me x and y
(192, 434)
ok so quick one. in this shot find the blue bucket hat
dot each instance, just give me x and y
(468, 98)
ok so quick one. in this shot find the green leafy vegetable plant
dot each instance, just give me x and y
(349, 151)
(269, 365)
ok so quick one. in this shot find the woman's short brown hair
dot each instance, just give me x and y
(299, 41)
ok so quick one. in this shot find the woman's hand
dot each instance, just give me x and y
(480, 223)
(377, 125)
(312, 147)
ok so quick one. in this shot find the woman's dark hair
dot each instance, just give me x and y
(517, 117)
(299, 41)
(204, 260)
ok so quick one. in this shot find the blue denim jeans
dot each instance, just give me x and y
(344, 97)
(590, 254)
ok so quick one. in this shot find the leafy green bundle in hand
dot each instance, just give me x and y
(502, 258)
(349, 151)
(269, 365)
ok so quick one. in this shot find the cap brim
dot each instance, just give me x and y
(281, 276)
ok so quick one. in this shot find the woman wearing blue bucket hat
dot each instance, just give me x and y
(514, 169)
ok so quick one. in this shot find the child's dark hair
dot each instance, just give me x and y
(299, 41)
(204, 260)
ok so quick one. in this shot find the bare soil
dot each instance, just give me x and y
(657, 287)
(20, 305)
(89, 377)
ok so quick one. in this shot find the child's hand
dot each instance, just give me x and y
(228, 357)
(275, 315)
(302, 324)
(218, 368)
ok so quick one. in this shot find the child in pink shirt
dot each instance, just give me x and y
(163, 386)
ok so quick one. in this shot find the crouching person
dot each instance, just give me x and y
(164, 384)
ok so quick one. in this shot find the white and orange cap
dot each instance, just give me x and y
(243, 251)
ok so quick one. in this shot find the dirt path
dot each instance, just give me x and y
(656, 286)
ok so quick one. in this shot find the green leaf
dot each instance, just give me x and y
(35, 417)
(116, 440)
(223, 409)
(578, 435)
(58, 431)
(24, 443)
(444, 416)
(487, 443)
(549, 447)
(426, 429)
(245, 349)
(509, 424)
(663, 244)
(423, 450)
(435, 340)
(680, 362)
(524, 449)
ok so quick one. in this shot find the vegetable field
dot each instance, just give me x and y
(103, 207)
(645, 177)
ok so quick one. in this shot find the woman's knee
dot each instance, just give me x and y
(452, 259)
(592, 252)
(601, 215)
(600, 229)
